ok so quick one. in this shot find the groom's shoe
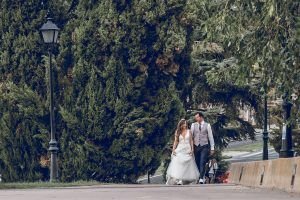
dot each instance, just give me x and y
(201, 181)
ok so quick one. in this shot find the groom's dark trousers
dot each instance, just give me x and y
(201, 157)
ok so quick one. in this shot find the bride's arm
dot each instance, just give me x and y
(175, 144)
(192, 144)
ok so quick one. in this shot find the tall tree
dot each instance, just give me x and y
(129, 64)
(23, 93)
(262, 36)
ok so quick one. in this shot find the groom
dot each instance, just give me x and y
(203, 143)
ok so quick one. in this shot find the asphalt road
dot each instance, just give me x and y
(148, 192)
(253, 156)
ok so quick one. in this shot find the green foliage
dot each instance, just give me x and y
(221, 98)
(121, 71)
(24, 116)
(129, 64)
(23, 133)
(242, 46)
(263, 36)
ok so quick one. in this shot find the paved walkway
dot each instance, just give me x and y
(148, 192)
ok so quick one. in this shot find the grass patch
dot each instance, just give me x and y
(252, 147)
(31, 185)
(160, 169)
(226, 157)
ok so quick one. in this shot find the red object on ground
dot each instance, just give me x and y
(223, 178)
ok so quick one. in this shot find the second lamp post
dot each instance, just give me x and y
(265, 130)
(50, 34)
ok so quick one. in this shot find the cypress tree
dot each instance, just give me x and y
(129, 64)
(120, 79)
(23, 134)
(24, 116)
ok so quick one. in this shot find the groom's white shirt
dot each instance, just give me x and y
(210, 134)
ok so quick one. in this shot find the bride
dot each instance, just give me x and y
(183, 168)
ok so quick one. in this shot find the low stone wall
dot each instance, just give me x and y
(283, 174)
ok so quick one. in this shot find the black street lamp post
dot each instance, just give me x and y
(286, 150)
(265, 131)
(50, 34)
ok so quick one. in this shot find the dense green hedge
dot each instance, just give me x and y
(120, 70)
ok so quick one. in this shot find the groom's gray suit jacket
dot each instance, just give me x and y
(202, 134)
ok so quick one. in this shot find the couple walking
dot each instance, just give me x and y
(190, 152)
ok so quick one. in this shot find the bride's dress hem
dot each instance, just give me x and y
(174, 181)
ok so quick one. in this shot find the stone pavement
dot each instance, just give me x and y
(148, 192)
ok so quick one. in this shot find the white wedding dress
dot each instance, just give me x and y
(182, 167)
